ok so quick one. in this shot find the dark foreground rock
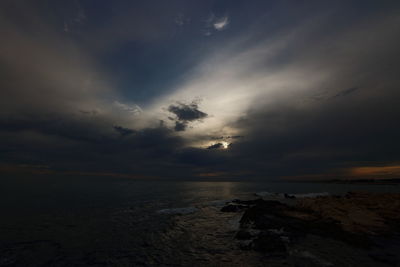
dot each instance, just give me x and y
(359, 220)
(233, 208)
(270, 243)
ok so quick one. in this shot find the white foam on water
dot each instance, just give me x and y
(282, 195)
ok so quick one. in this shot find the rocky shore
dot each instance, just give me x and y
(303, 230)
(324, 230)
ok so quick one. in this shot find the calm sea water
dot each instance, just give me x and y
(104, 221)
(72, 193)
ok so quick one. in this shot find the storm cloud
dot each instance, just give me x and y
(295, 91)
(216, 146)
(186, 113)
(123, 131)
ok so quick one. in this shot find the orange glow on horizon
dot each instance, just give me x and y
(376, 171)
(352, 173)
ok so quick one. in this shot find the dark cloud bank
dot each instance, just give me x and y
(353, 121)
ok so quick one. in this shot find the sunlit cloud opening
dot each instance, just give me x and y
(225, 145)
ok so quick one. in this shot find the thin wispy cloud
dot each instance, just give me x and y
(181, 20)
(76, 19)
(133, 109)
(221, 23)
(214, 24)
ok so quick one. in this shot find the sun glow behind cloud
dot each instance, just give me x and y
(225, 145)
(240, 78)
(232, 83)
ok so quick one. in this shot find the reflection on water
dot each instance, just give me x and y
(203, 191)
(99, 221)
(23, 196)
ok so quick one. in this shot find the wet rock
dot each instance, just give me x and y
(248, 202)
(383, 257)
(270, 243)
(233, 208)
(297, 223)
(263, 207)
(246, 244)
(359, 212)
(239, 205)
(308, 259)
(243, 235)
(269, 215)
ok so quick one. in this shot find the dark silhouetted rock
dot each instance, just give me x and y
(233, 208)
(246, 244)
(289, 196)
(387, 258)
(297, 223)
(260, 213)
(248, 202)
(270, 243)
(243, 235)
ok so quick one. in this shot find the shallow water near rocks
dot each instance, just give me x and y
(113, 222)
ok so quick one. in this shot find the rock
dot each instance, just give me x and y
(386, 258)
(246, 244)
(297, 223)
(233, 208)
(267, 215)
(270, 243)
(243, 235)
(357, 221)
(359, 212)
(248, 202)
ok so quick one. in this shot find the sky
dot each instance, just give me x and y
(211, 89)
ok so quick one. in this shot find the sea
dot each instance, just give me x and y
(108, 221)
